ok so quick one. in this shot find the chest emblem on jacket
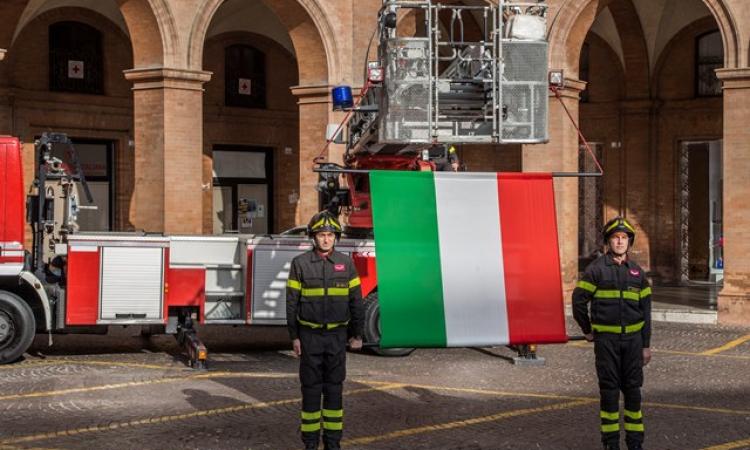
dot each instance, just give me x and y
(342, 267)
(635, 272)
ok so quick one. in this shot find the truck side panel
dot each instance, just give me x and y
(186, 287)
(83, 285)
(268, 264)
(11, 207)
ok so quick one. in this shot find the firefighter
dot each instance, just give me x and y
(619, 324)
(445, 160)
(324, 310)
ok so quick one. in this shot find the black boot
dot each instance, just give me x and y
(311, 440)
(331, 440)
(635, 446)
(614, 446)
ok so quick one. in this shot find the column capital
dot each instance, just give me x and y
(572, 89)
(734, 78)
(165, 77)
(312, 93)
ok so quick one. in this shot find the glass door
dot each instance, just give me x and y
(252, 205)
(243, 189)
(95, 158)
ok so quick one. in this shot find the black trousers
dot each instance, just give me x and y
(619, 366)
(322, 371)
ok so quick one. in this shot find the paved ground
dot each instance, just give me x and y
(120, 391)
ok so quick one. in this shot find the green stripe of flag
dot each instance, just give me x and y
(408, 263)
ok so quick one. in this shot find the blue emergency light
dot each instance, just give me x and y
(342, 98)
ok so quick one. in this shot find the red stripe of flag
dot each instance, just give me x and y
(531, 259)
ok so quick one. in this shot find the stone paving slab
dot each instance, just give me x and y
(123, 391)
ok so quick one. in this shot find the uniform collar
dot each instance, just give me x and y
(610, 261)
(333, 257)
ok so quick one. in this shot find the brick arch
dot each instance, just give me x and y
(729, 33)
(693, 29)
(279, 97)
(28, 53)
(308, 26)
(567, 29)
(152, 29)
(597, 43)
(573, 18)
(11, 12)
(153, 32)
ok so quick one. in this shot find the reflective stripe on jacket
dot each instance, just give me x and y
(324, 293)
(620, 298)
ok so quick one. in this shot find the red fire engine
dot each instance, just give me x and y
(83, 282)
(424, 92)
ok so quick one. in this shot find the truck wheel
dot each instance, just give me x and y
(17, 327)
(372, 328)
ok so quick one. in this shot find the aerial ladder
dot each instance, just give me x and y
(438, 84)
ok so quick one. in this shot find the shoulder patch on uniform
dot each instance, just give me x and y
(339, 267)
(635, 272)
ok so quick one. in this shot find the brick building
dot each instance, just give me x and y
(183, 108)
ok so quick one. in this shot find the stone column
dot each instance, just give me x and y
(314, 107)
(168, 133)
(561, 155)
(734, 299)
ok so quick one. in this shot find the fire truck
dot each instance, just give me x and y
(428, 88)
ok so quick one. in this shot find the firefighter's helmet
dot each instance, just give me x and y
(324, 221)
(618, 224)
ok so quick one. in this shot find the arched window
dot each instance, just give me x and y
(245, 76)
(75, 58)
(709, 57)
(583, 71)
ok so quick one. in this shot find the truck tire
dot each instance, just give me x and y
(372, 328)
(17, 327)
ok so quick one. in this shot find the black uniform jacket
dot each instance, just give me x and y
(324, 293)
(620, 298)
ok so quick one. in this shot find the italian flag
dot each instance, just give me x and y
(466, 259)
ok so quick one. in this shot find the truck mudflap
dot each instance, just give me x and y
(31, 279)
